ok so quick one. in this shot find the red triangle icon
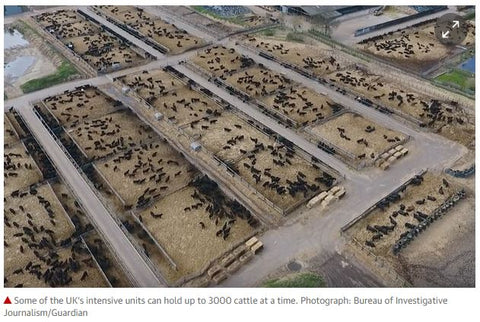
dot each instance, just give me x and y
(7, 301)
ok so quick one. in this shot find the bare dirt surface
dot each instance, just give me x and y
(353, 133)
(443, 255)
(417, 46)
(220, 61)
(10, 136)
(168, 35)
(20, 170)
(258, 81)
(79, 105)
(110, 134)
(152, 171)
(189, 233)
(151, 83)
(101, 50)
(302, 105)
(34, 253)
(316, 59)
(227, 136)
(446, 118)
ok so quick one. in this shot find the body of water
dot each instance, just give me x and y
(19, 66)
(12, 10)
(468, 65)
(14, 39)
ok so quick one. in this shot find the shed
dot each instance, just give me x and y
(195, 146)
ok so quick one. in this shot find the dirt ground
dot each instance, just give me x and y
(441, 256)
(42, 225)
(446, 256)
(180, 231)
(100, 49)
(111, 134)
(183, 106)
(10, 136)
(257, 81)
(316, 59)
(75, 29)
(151, 83)
(301, 104)
(255, 21)
(168, 35)
(220, 61)
(349, 132)
(58, 18)
(177, 102)
(227, 136)
(197, 19)
(155, 167)
(283, 178)
(114, 54)
(20, 170)
(75, 106)
(114, 272)
(413, 46)
(449, 120)
(432, 186)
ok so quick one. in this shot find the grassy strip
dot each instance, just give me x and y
(460, 78)
(235, 20)
(294, 37)
(469, 16)
(62, 74)
(297, 280)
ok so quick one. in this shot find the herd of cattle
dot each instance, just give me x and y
(416, 44)
(315, 60)
(41, 242)
(403, 214)
(102, 50)
(165, 34)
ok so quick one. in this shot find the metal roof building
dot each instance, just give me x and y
(325, 13)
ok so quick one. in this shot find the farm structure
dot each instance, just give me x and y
(140, 170)
(167, 35)
(40, 245)
(403, 219)
(77, 105)
(379, 90)
(274, 93)
(100, 49)
(318, 60)
(264, 164)
(446, 118)
(357, 136)
(416, 45)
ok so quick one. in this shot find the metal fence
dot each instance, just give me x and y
(107, 207)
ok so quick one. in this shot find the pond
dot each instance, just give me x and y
(12, 10)
(468, 65)
(14, 39)
(18, 67)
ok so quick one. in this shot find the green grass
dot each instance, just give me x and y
(458, 78)
(295, 37)
(62, 74)
(297, 280)
(238, 20)
(269, 32)
(469, 16)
